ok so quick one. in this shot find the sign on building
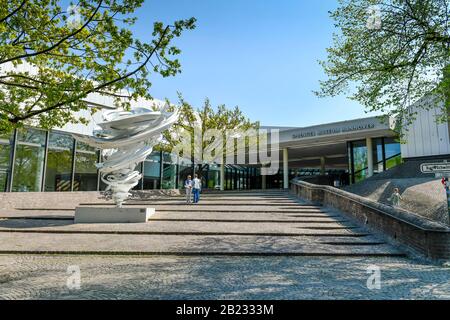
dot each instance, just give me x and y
(441, 167)
(441, 170)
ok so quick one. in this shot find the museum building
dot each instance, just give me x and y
(337, 153)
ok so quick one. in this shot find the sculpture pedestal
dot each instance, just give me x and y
(112, 215)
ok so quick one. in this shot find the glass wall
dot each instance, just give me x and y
(152, 171)
(46, 161)
(392, 152)
(275, 181)
(229, 181)
(184, 169)
(213, 179)
(386, 154)
(86, 176)
(359, 160)
(53, 161)
(5, 152)
(29, 160)
(58, 173)
(169, 171)
(378, 155)
(236, 177)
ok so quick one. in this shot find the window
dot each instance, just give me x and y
(377, 150)
(184, 169)
(393, 153)
(360, 163)
(152, 177)
(58, 174)
(213, 176)
(29, 160)
(85, 178)
(5, 151)
(169, 180)
(386, 154)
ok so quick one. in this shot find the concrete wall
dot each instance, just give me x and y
(420, 235)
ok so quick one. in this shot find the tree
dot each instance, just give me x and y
(198, 121)
(390, 54)
(51, 58)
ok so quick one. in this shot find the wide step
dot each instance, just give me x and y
(247, 223)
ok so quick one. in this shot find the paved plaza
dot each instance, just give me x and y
(170, 277)
(265, 245)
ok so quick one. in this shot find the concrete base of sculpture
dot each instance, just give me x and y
(112, 215)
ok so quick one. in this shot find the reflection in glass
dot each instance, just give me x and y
(213, 177)
(392, 149)
(184, 169)
(29, 160)
(169, 171)
(152, 177)
(58, 174)
(377, 149)
(360, 160)
(386, 154)
(5, 151)
(85, 178)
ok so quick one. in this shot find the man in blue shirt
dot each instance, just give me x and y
(197, 185)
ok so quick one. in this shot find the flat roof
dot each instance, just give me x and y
(338, 131)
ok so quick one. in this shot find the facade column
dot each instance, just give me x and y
(369, 157)
(263, 182)
(72, 175)
(161, 170)
(12, 160)
(285, 168)
(222, 176)
(263, 178)
(322, 166)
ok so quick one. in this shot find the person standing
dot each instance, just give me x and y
(188, 186)
(395, 198)
(197, 186)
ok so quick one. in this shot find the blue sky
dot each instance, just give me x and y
(258, 54)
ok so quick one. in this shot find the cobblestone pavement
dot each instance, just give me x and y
(158, 277)
(246, 246)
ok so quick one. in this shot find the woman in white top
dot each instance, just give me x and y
(188, 187)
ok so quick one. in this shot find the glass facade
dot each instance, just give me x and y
(213, 177)
(85, 174)
(40, 160)
(392, 152)
(152, 171)
(53, 161)
(5, 153)
(358, 158)
(28, 163)
(169, 171)
(386, 154)
(239, 178)
(58, 173)
(185, 168)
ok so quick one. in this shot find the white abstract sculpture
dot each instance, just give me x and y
(127, 138)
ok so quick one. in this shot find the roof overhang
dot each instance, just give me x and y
(337, 132)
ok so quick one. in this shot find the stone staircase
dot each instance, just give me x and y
(270, 223)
